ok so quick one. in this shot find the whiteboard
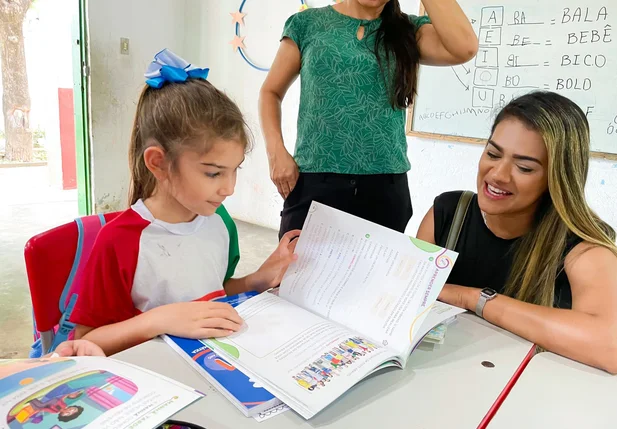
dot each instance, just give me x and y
(525, 45)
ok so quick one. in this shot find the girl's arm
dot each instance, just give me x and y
(449, 39)
(185, 319)
(283, 72)
(271, 272)
(586, 333)
(119, 336)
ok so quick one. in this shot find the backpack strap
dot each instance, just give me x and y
(459, 219)
(35, 349)
(88, 228)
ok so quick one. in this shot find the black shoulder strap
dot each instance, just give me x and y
(459, 219)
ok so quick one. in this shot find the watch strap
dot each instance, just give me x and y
(480, 305)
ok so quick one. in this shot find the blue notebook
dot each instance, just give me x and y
(227, 379)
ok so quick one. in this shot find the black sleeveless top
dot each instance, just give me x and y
(484, 260)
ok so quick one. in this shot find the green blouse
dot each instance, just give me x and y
(346, 123)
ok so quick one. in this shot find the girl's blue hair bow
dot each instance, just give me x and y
(168, 67)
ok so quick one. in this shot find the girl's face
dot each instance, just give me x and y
(201, 182)
(512, 174)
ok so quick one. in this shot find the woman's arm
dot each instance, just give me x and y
(449, 39)
(426, 230)
(587, 333)
(284, 71)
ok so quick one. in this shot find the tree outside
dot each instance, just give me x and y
(15, 91)
(36, 57)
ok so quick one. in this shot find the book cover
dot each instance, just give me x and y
(227, 379)
(86, 392)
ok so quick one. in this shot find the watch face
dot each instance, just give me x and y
(488, 292)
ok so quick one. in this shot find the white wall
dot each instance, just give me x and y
(255, 199)
(116, 81)
(437, 166)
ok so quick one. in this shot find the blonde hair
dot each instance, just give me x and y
(180, 116)
(563, 210)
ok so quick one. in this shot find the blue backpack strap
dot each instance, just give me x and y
(36, 350)
(65, 327)
(76, 260)
(35, 331)
(86, 232)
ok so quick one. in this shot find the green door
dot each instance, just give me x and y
(81, 100)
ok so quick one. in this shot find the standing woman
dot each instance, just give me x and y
(358, 62)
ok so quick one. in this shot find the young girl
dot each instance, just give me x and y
(547, 262)
(154, 269)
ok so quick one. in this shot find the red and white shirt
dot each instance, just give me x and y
(139, 263)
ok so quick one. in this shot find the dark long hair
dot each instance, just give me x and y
(396, 38)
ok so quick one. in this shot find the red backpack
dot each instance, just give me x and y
(55, 261)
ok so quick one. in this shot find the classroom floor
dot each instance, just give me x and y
(27, 207)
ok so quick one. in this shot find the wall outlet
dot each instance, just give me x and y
(124, 46)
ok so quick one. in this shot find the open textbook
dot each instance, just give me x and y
(86, 392)
(359, 298)
(240, 390)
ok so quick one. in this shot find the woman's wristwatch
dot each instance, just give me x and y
(486, 295)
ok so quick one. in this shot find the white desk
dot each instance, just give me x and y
(555, 392)
(447, 387)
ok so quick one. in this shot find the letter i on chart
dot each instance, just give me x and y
(486, 74)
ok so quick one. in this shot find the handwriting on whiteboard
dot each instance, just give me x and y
(526, 45)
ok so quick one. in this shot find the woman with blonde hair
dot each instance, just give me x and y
(533, 257)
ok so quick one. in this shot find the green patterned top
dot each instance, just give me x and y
(346, 123)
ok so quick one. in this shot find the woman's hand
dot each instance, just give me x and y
(271, 272)
(283, 171)
(78, 348)
(283, 71)
(199, 319)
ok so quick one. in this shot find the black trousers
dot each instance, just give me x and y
(383, 199)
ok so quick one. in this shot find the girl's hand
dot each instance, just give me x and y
(271, 273)
(78, 348)
(198, 320)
